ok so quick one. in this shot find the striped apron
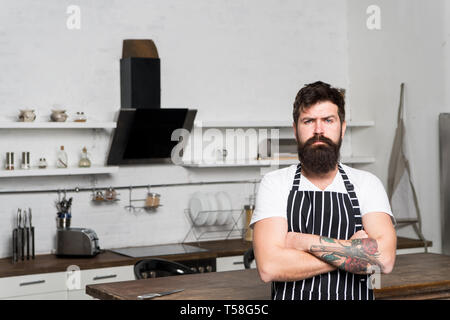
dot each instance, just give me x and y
(334, 215)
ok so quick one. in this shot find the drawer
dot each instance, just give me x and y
(58, 295)
(232, 263)
(32, 284)
(102, 275)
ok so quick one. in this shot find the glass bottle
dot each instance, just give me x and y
(84, 161)
(61, 161)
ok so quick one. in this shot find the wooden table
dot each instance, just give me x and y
(219, 248)
(415, 276)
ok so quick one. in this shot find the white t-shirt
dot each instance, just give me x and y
(273, 192)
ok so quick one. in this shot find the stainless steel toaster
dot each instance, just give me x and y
(76, 242)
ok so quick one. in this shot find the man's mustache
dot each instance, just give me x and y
(318, 138)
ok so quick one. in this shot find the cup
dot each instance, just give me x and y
(62, 223)
(25, 160)
(9, 165)
(152, 200)
(110, 194)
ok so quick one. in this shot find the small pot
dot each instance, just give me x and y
(58, 115)
(27, 115)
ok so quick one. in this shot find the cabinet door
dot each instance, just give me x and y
(103, 275)
(32, 284)
(232, 263)
(100, 275)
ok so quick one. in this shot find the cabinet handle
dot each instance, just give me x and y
(104, 277)
(238, 262)
(31, 282)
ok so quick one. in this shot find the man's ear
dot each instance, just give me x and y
(295, 130)
(344, 127)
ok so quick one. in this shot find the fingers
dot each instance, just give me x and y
(361, 234)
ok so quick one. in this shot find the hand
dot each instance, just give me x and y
(361, 234)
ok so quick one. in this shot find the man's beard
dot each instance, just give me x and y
(319, 159)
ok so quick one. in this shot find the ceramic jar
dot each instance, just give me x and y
(27, 115)
(58, 115)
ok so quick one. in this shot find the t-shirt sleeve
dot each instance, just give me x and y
(374, 197)
(270, 200)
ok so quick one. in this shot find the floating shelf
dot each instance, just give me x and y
(266, 124)
(58, 125)
(267, 163)
(52, 171)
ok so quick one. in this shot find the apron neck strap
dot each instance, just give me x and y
(296, 184)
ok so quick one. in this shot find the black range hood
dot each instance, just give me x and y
(143, 136)
(144, 130)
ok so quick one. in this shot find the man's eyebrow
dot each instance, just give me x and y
(313, 118)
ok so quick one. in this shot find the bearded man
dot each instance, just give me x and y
(321, 228)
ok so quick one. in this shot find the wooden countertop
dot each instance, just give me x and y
(415, 276)
(221, 248)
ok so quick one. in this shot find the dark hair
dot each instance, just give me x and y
(316, 92)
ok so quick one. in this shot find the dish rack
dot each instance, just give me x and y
(204, 232)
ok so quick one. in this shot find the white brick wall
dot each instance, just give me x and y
(230, 60)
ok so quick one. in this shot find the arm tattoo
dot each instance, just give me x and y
(355, 256)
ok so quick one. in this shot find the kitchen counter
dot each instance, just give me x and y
(415, 276)
(221, 248)
(50, 263)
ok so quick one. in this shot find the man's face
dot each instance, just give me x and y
(319, 134)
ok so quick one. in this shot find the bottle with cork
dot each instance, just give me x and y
(84, 161)
(61, 159)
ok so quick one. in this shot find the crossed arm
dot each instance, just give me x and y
(283, 256)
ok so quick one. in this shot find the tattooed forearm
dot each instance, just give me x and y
(356, 256)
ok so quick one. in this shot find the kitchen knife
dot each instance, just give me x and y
(27, 233)
(32, 232)
(22, 226)
(160, 294)
(14, 240)
(19, 234)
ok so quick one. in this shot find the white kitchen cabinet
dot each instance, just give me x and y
(36, 286)
(232, 263)
(55, 285)
(58, 295)
(100, 275)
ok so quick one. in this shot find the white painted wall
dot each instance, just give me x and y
(411, 47)
(231, 60)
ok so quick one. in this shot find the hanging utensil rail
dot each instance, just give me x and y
(164, 185)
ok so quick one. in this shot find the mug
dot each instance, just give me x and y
(152, 200)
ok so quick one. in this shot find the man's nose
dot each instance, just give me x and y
(318, 127)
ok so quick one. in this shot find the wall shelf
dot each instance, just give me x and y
(57, 125)
(52, 171)
(267, 163)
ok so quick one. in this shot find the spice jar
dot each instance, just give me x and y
(9, 165)
(84, 161)
(42, 163)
